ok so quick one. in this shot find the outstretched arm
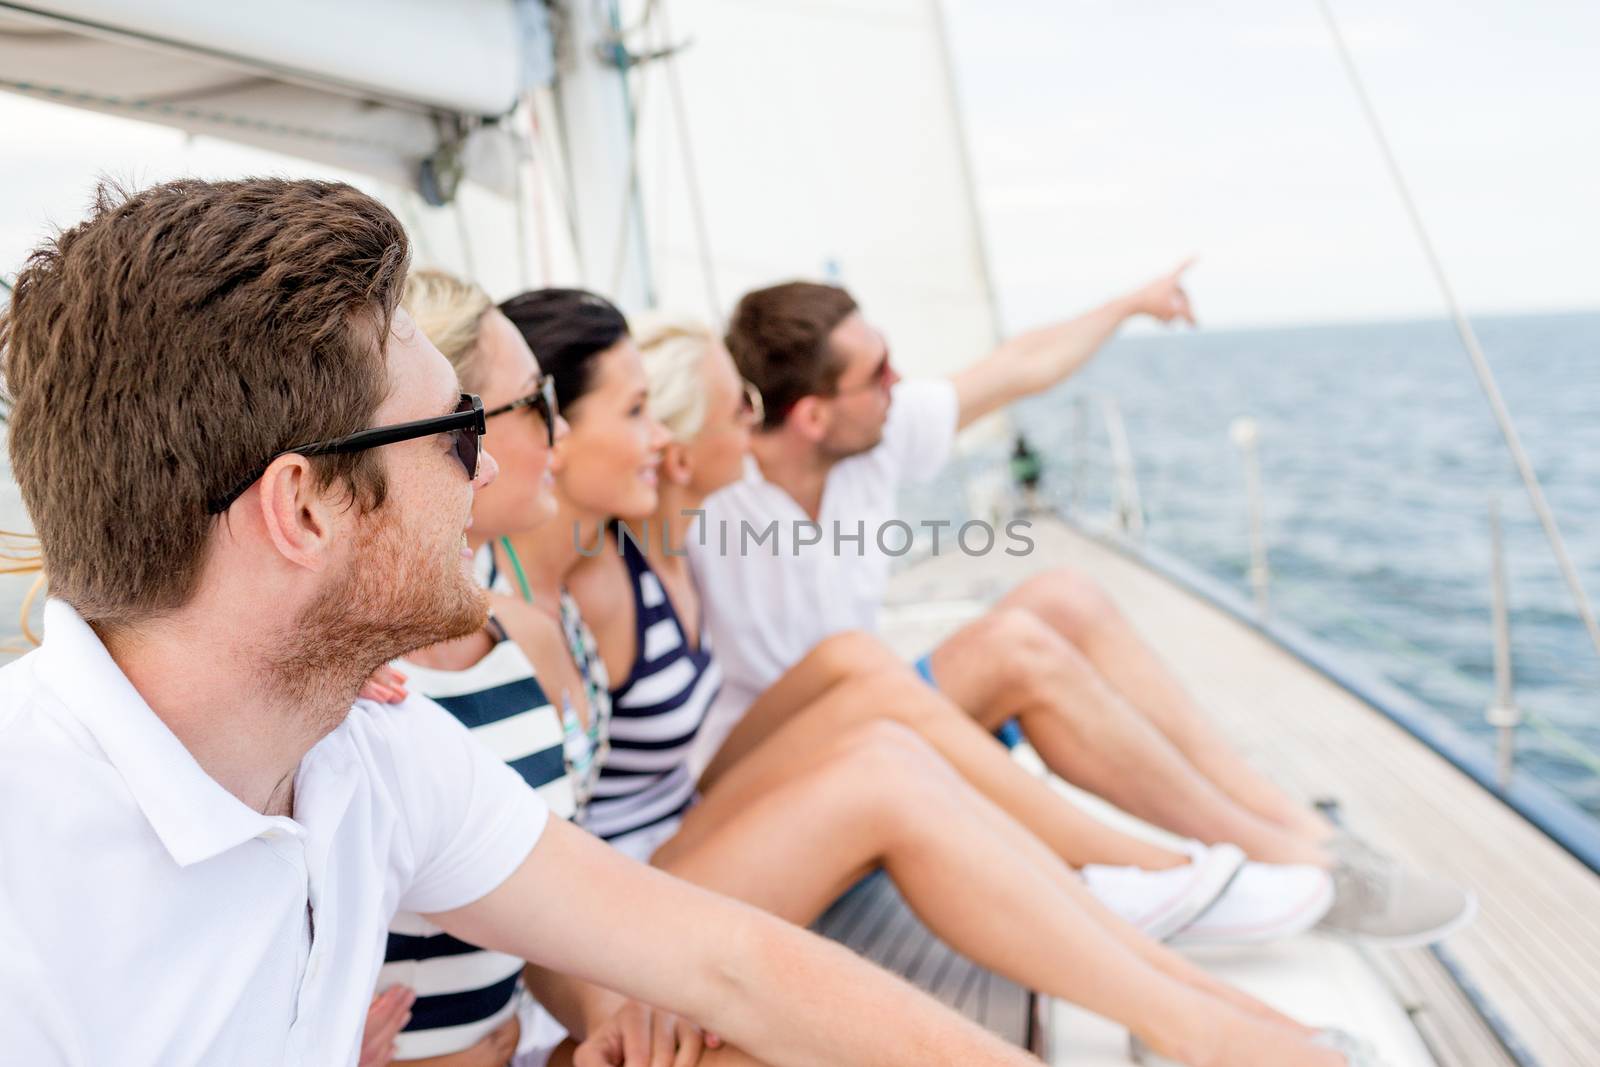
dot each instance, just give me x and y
(1034, 361)
(785, 995)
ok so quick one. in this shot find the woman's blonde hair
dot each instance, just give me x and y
(674, 350)
(19, 554)
(449, 312)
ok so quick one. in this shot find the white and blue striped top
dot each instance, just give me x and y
(464, 992)
(655, 713)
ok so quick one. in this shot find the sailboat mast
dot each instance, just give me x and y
(597, 127)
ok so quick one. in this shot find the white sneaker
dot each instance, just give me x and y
(1217, 899)
(1163, 902)
(1264, 902)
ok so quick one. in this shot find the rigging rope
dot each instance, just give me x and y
(541, 168)
(691, 173)
(632, 201)
(464, 238)
(520, 201)
(1469, 338)
(555, 157)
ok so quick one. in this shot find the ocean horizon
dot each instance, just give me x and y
(1379, 459)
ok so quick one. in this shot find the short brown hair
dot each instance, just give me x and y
(779, 339)
(160, 351)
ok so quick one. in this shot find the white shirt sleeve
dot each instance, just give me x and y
(921, 430)
(472, 820)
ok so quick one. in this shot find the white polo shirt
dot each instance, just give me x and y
(147, 916)
(769, 601)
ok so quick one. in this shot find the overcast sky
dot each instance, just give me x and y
(1112, 138)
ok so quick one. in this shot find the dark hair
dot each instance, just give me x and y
(567, 329)
(159, 351)
(779, 340)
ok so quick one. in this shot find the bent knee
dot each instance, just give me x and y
(1015, 640)
(885, 772)
(888, 752)
(1069, 599)
(1011, 657)
(852, 652)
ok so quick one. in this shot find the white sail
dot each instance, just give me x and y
(825, 141)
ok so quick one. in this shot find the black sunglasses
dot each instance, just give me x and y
(879, 380)
(465, 424)
(542, 400)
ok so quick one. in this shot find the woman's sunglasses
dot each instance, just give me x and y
(465, 424)
(542, 400)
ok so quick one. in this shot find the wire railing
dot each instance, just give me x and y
(1101, 469)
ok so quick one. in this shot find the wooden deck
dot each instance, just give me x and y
(1534, 951)
(875, 921)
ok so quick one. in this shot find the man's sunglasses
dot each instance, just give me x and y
(466, 424)
(542, 400)
(882, 375)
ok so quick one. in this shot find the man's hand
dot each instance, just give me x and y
(1164, 299)
(641, 1036)
(386, 1017)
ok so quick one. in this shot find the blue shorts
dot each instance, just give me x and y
(1010, 733)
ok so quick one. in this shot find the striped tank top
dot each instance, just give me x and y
(656, 711)
(464, 992)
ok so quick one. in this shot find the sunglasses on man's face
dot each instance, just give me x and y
(883, 376)
(541, 400)
(465, 424)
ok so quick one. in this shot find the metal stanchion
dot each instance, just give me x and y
(1503, 713)
(1245, 436)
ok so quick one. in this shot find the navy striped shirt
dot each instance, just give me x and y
(464, 992)
(655, 713)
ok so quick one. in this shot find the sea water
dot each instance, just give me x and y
(1379, 459)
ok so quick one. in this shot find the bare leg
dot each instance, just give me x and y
(1080, 611)
(835, 659)
(1010, 663)
(984, 884)
(1073, 834)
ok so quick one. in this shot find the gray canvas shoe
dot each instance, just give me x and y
(1356, 1051)
(1378, 900)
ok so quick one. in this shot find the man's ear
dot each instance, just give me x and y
(810, 417)
(300, 518)
(675, 464)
